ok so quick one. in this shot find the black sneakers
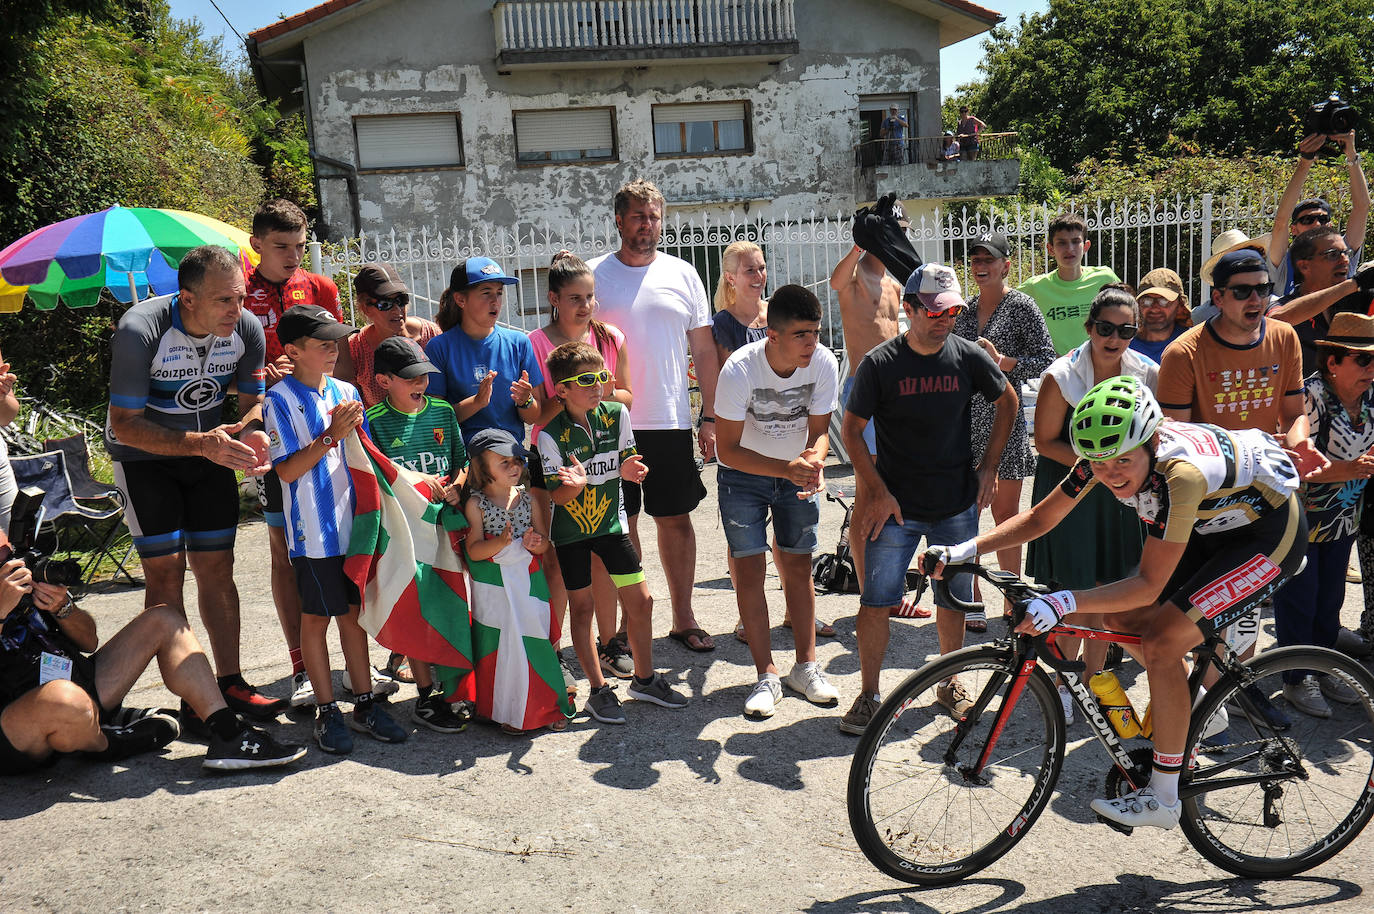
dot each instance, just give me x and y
(252, 748)
(133, 731)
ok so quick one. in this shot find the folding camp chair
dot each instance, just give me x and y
(61, 510)
(78, 458)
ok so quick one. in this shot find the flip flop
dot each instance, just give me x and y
(909, 609)
(740, 635)
(684, 637)
(823, 629)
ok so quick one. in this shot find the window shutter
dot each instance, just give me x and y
(705, 111)
(555, 131)
(408, 141)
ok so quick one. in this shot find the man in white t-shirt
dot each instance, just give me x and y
(773, 407)
(660, 304)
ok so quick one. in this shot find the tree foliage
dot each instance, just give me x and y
(1173, 76)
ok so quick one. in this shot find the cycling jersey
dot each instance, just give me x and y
(1205, 479)
(179, 381)
(268, 300)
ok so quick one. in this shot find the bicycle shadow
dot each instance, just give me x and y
(1130, 892)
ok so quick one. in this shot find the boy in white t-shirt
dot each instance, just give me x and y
(773, 406)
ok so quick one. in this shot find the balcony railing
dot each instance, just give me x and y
(627, 29)
(929, 150)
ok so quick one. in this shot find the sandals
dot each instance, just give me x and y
(823, 629)
(703, 643)
(398, 668)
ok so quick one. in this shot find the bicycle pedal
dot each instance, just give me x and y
(1124, 829)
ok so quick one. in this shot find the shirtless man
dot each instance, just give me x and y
(870, 300)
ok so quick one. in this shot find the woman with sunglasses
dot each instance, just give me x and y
(383, 298)
(1009, 326)
(1100, 540)
(572, 318)
(1340, 411)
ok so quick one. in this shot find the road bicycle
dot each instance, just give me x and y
(933, 799)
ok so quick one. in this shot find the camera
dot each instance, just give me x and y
(1330, 117)
(23, 533)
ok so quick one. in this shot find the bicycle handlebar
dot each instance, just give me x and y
(1018, 591)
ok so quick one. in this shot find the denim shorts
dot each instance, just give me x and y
(745, 503)
(887, 558)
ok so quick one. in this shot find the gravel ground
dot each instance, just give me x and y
(678, 811)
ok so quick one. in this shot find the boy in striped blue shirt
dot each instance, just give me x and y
(307, 414)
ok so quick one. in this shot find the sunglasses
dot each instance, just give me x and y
(1333, 253)
(588, 378)
(951, 311)
(1242, 291)
(1107, 328)
(1363, 359)
(1313, 219)
(386, 304)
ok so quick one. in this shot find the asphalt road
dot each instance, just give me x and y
(691, 810)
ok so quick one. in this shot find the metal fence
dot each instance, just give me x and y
(1132, 237)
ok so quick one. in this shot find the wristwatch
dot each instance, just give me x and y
(328, 441)
(65, 609)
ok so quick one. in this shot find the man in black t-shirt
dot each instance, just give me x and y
(917, 389)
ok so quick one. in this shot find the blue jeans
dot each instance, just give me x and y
(746, 500)
(887, 558)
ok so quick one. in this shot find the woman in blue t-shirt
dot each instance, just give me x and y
(489, 373)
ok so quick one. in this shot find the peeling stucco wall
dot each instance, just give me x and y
(413, 56)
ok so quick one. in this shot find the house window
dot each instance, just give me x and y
(407, 141)
(701, 129)
(566, 135)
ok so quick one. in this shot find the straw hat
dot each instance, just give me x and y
(1350, 331)
(1232, 240)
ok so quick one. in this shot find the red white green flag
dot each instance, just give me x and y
(403, 557)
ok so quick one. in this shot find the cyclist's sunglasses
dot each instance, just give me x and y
(1107, 328)
(1313, 219)
(1242, 291)
(588, 378)
(386, 304)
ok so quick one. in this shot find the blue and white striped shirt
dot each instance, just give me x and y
(319, 505)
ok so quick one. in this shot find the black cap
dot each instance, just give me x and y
(993, 242)
(1245, 260)
(1311, 203)
(313, 321)
(380, 280)
(498, 441)
(402, 356)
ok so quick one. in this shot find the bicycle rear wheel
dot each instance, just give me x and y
(1277, 803)
(916, 808)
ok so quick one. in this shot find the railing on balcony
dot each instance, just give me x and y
(589, 25)
(929, 150)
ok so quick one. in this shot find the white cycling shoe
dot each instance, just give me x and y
(1139, 807)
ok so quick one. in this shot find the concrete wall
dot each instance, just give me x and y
(431, 55)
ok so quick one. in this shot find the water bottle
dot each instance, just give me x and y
(1112, 698)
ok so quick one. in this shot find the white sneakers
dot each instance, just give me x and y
(1137, 808)
(805, 678)
(808, 679)
(302, 692)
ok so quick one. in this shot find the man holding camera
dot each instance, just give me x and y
(57, 697)
(1295, 217)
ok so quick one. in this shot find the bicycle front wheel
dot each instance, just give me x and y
(1265, 802)
(920, 807)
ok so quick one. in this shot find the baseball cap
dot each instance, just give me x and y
(899, 213)
(993, 242)
(1311, 203)
(380, 280)
(935, 286)
(1161, 283)
(1246, 260)
(312, 321)
(476, 270)
(402, 356)
(498, 441)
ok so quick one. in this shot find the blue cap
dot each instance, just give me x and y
(498, 441)
(476, 270)
(1246, 260)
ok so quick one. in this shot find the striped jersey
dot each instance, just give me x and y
(319, 505)
(1205, 479)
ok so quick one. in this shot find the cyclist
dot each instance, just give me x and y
(1224, 528)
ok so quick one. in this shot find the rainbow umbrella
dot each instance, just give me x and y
(131, 251)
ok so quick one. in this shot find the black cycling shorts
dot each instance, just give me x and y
(269, 496)
(616, 552)
(1223, 576)
(173, 504)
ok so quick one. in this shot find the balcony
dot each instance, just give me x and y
(597, 33)
(915, 168)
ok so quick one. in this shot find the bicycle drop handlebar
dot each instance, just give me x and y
(1018, 591)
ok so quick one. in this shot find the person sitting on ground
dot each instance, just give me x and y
(587, 452)
(773, 405)
(58, 697)
(1164, 313)
(421, 433)
(308, 415)
(1222, 514)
